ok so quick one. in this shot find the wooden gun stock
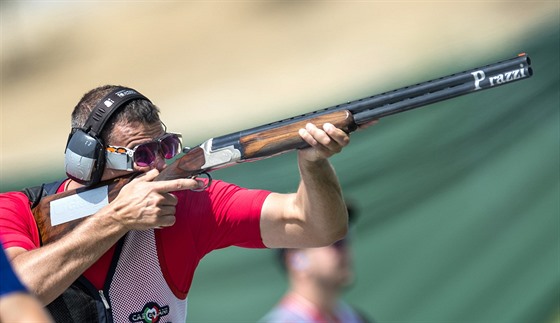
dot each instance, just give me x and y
(42, 212)
(270, 142)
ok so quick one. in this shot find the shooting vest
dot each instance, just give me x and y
(135, 289)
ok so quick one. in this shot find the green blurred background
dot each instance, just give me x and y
(458, 202)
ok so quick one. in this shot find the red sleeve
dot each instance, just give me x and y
(17, 225)
(223, 215)
(238, 214)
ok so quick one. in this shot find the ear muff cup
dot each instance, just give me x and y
(84, 158)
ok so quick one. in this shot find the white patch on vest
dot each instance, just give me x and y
(78, 205)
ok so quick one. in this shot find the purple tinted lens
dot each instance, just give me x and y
(170, 146)
(145, 154)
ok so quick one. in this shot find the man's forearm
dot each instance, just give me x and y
(320, 197)
(48, 271)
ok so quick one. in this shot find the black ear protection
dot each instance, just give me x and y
(85, 150)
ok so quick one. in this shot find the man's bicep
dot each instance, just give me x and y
(279, 227)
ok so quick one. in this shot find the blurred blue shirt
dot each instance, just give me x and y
(9, 282)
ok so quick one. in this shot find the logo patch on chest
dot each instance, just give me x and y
(151, 313)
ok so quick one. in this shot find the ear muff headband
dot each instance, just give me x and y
(85, 151)
(107, 106)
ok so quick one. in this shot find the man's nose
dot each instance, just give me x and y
(159, 163)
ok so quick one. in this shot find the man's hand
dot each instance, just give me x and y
(144, 204)
(324, 142)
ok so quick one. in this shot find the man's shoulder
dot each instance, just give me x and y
(17, 225)
(350, 313)
(36, 193)
(15, 199)
(281, 314)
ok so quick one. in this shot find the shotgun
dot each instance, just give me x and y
(278, 137)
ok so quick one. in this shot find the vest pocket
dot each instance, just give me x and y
(76, 304)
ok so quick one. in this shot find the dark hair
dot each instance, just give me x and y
(141, 111)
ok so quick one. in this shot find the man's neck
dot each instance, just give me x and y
(323, 300)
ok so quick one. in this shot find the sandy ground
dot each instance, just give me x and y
(220, 66)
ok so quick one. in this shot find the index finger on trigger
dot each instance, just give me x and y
(148, 176)
(178, 184)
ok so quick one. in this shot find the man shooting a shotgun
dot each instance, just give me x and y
(128, 252)
(135, 257)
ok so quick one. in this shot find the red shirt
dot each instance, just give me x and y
(223, 215)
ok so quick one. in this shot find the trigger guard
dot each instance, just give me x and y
(208, 183)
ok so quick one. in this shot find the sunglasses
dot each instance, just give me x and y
(166, 146)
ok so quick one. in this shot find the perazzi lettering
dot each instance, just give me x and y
(498, 79)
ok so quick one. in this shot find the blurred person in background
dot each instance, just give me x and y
(16, 303)
(317, 278)
(134, 259)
